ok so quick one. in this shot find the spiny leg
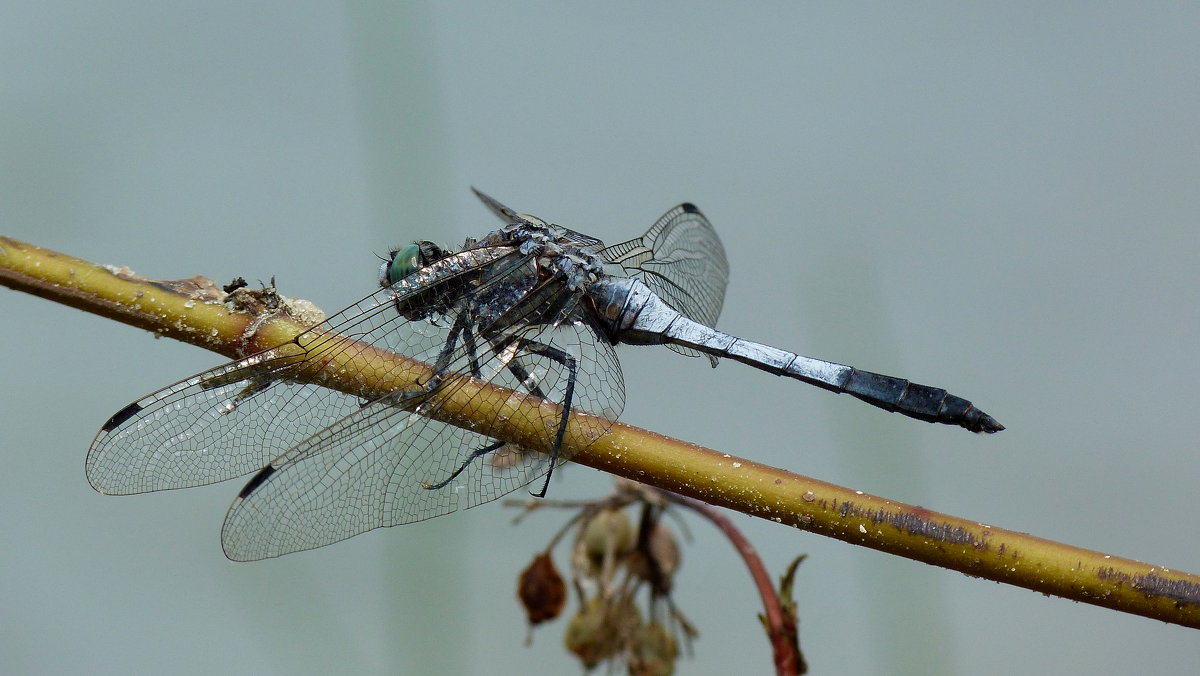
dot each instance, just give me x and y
(472, 351)
(462, 325)
(567, 360)
(440, 367)
(523, 377)
(473, 358)
(519, 371)
(478, 453)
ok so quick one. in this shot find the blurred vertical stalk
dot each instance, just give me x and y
(403, 145)
(893, 467)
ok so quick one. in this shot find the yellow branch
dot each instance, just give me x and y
(193, 311)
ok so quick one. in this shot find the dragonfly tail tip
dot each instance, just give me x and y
(983, 423)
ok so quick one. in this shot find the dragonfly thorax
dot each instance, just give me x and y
(560, 253)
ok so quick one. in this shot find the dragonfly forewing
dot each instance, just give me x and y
(235, 418)
(384, 465)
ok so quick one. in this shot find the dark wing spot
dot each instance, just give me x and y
(256, 481)
(689, 208)
(121, 416)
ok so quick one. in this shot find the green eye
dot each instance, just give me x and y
(404, 262)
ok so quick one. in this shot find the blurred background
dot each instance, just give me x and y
(1000, 201)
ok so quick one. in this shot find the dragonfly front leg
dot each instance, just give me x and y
(441, 367)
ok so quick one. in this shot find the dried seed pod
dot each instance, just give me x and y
(589, 635)
(602, 539)
(541, 590)
(607, 532)
(663, 549)
(654, 651)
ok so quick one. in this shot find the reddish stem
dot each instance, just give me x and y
(780, 628)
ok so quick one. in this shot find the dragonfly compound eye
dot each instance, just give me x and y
(403, 262)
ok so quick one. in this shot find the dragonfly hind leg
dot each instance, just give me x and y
(476, 454)
(568, 361)
(523, 376)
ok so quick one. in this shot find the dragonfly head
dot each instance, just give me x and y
(406, 260)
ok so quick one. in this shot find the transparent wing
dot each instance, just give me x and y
(509, 216)
(502, 212)
(384, 466)
(682, 260)
(233, 419)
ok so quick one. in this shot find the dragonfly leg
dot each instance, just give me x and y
(522, 375)
(568, 361)
(478, 453)
(472, 351)
(462, 323)
(514, 365)
(441, 366)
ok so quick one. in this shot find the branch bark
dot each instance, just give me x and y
(193, 311)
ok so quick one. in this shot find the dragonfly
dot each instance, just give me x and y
(533, 309)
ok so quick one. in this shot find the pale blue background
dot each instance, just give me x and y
(1000, 200)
